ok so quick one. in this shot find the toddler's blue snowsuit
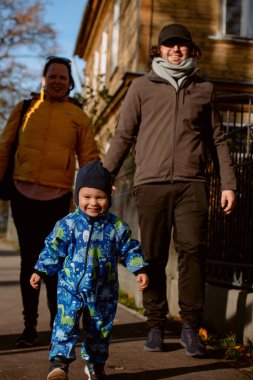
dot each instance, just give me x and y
(85, 252)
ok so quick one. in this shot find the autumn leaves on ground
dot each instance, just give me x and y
(239, 355)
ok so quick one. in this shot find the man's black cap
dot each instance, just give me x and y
(174, 32)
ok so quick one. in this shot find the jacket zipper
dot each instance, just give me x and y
(174, 139)
(86, 254)
(85, 267)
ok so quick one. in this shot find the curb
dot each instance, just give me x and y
(132, 311)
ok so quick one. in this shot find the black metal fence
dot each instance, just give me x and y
(230, 238)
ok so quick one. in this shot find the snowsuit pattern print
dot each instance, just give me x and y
(88, 279)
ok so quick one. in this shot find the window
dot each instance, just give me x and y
(115, 36)
(103, 57)
(95, 71)
(237, 18)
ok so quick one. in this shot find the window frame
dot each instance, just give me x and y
(115, 36)
(245, 21)
(103, 60)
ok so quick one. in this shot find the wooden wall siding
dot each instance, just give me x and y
(145, 34)
(231, 61)
(128, 44)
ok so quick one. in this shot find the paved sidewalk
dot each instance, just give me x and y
(127, 359)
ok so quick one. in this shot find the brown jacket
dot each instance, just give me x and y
(52, 136)
(171, 132)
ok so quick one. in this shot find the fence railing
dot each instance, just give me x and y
(230, 238)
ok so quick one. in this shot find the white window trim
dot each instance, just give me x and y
(95, 71)
(247, 10)
(103, 61)
(115, 36)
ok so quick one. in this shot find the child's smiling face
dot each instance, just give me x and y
(92, 202)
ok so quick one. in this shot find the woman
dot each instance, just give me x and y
(54, 132)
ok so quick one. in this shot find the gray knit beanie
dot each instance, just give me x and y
(96, 176)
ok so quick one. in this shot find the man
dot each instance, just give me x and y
(171, 116)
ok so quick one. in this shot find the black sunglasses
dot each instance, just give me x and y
(58, 59)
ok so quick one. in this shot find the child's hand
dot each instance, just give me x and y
(143, 280)
(35, 281)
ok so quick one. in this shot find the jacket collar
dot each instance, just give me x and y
(155, 78)
(100, 219)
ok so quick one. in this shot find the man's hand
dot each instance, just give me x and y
(227, 201)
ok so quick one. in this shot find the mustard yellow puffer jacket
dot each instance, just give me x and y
(52, 136)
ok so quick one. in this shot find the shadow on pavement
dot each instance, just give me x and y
(123, 332)
(168, 372)
(7, 343)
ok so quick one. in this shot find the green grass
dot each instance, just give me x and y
(128, 300)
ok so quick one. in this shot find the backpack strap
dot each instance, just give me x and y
(7, 184)
(76, 102)
(26, 104)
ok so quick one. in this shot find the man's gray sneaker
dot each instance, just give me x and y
(190, 341)
(154, 341)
